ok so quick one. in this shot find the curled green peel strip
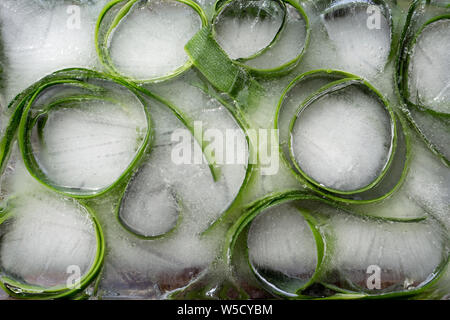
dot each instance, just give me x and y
(392, 174)
(19, 290)
(310, 207)
(222, 6)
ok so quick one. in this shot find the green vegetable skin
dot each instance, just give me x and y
(254, 91)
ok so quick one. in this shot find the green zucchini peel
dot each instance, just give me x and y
(24, 117)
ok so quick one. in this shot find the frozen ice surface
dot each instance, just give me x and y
(40, 37)
(424, 191)
(37, 41)
(208, 6)
(192, 182)
(221, 134)
(46, 236)
(434, 128)
(343, 139)
(149, 41)
(178, 258)
(280, 239)
(407, 253)
(429, 77)
(292, 100)
(138, 268)
(428, 183)
(243, 28)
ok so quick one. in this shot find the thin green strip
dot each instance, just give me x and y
(209, 58)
